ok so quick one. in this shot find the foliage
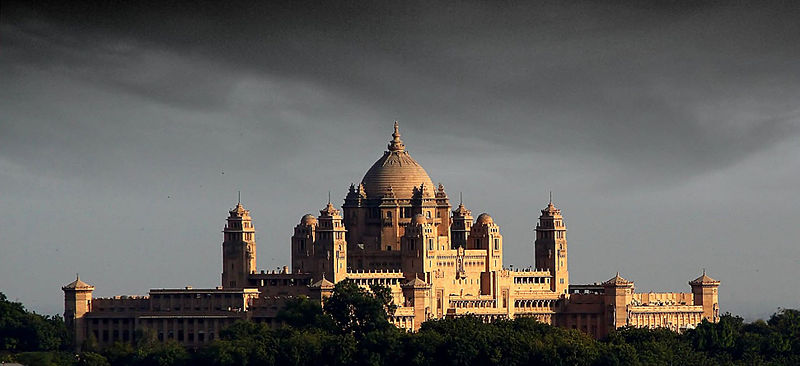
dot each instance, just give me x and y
(358, 311)
(92, 359)
(303, 313)
(22, 331)
(45, 358)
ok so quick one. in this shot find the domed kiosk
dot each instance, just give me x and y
(394, 190)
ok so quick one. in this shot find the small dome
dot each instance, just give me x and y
(484, 218)
(308, 219)
(419, 219)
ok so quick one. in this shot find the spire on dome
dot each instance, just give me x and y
(396, 144)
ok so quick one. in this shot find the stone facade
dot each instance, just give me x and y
(399, 230)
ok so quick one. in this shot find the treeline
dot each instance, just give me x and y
(353, 330)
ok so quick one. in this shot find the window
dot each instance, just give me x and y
(427, 214)
(389, 214)
(496, 244)
(430, 244)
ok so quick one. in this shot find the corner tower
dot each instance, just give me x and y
(551, 247)
(77, 302)
(705, 293)
(331, 241)
(238, 248)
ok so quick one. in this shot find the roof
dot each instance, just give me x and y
(323, 283)
(461, 211)
(550, 210)
(238, 211)
(617, 281)
(484, 218)
(78, 285)
(308, 219)
(329, 210)
(416, 283)
(704, 280)
(397, 170)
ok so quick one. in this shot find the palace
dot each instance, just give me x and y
(396, 228)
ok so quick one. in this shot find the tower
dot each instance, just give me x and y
(305, 234)
(462, 224)
(238, 248)
(704, 292)
(485, 236)
(331, 243)
(618, 293)
(77, 302)
(551, 247)
(419, 246)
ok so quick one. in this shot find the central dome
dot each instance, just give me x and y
(396, 170)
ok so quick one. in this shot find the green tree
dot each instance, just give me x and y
(303, 313)
(786, 323)
(717, 338)
(22, 331)
(358, 311)
(120, 354)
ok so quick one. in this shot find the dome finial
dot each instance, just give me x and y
(396, 144)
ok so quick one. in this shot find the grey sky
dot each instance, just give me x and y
(668, 132)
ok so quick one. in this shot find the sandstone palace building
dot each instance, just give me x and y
(396, 228)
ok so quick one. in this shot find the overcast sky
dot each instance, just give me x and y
(667, 131)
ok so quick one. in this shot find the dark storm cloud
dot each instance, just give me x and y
(625, 80)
